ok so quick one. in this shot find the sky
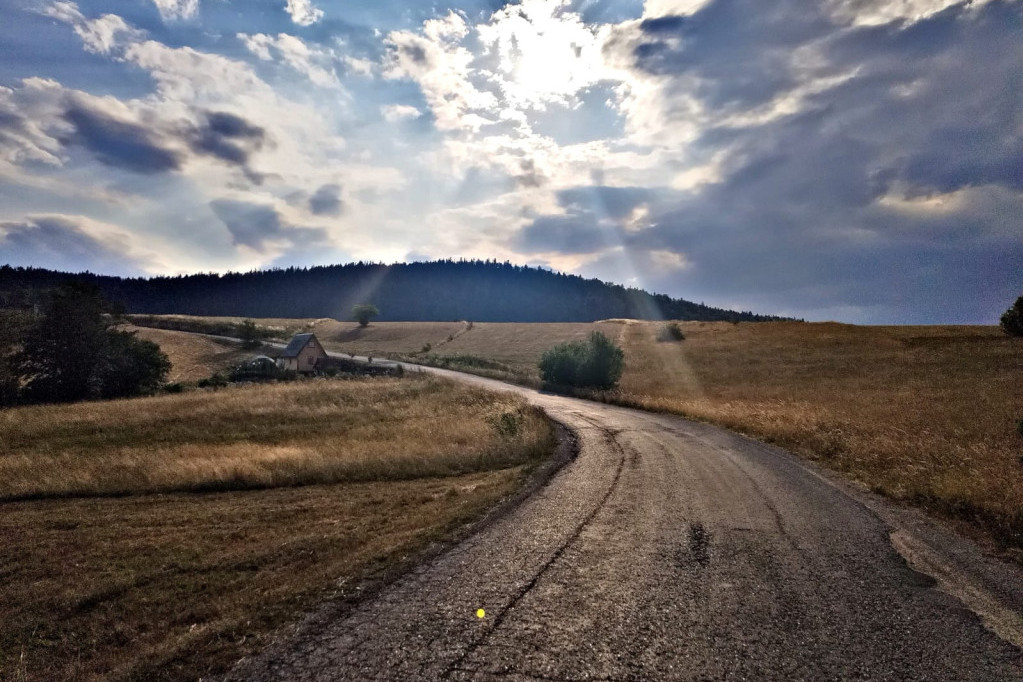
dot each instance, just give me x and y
(850, 160)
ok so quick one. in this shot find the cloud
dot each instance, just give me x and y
(394, 113)
(98, 35)
(73, 244)
(615, 203)
(327, 200)
(441, 67)
(837, 151)
(314, 64)
(118, 141)
(177, 9)
(567, 234)
(261, 227)
(303, 12)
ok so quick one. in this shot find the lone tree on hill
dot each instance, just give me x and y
(364, 312)
(73, 353)
(1012, 319)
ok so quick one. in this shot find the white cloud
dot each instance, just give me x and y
(99, 35)
(545, 53)
(313, 63)
(303, 12)
(442, 68)
(177, 9)
(393, 113)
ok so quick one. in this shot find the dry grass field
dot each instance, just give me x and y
(926, 415)
(193, 357)
(113, 567)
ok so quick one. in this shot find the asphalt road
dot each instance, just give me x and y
(672, 550)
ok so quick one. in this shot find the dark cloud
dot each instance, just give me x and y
(570, 234)
(228, 138)
(156, 146)
(254, 225)
(119, 143)
(530, 176)
(327, 200)
(890, 194)
(615, 203)
(65, 243)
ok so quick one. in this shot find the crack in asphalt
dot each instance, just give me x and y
(577, 531)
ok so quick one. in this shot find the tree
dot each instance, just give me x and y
(131, 366)
(71, 352)
(364, 312)
(61, 351)
(595, 363)
(1012, 319)
(249, 333)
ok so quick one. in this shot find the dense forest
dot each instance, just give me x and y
(485, 291)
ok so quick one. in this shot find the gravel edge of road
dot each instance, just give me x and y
(338, 606)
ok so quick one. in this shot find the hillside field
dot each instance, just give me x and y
(163, 538)
(923, 414)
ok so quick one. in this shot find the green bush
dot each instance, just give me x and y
(671, 331)
(595, 363)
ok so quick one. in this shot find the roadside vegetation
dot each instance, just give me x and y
(309, 489)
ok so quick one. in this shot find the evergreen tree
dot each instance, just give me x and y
(71, 353)
(1012, 319)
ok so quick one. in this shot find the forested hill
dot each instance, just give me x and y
(484, 291)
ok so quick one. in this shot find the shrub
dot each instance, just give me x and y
(595, 363)
(217, 380)
(1012, 319)
(671, 331)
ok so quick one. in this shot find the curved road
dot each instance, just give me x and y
(672, 550)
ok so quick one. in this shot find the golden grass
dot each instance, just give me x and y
(193, 357)
(261, 436)
(922, 414)
(178, 585)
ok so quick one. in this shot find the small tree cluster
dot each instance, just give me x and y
(1012, 319)
(595, 363)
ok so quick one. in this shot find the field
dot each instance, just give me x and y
(163, 538)
(926, 415)
(193, 357)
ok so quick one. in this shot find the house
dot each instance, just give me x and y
(302, 354)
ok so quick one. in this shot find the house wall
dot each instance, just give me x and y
(308, 356)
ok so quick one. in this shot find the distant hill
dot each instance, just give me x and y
(484, 291)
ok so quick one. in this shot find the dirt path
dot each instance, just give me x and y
(672, 550)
